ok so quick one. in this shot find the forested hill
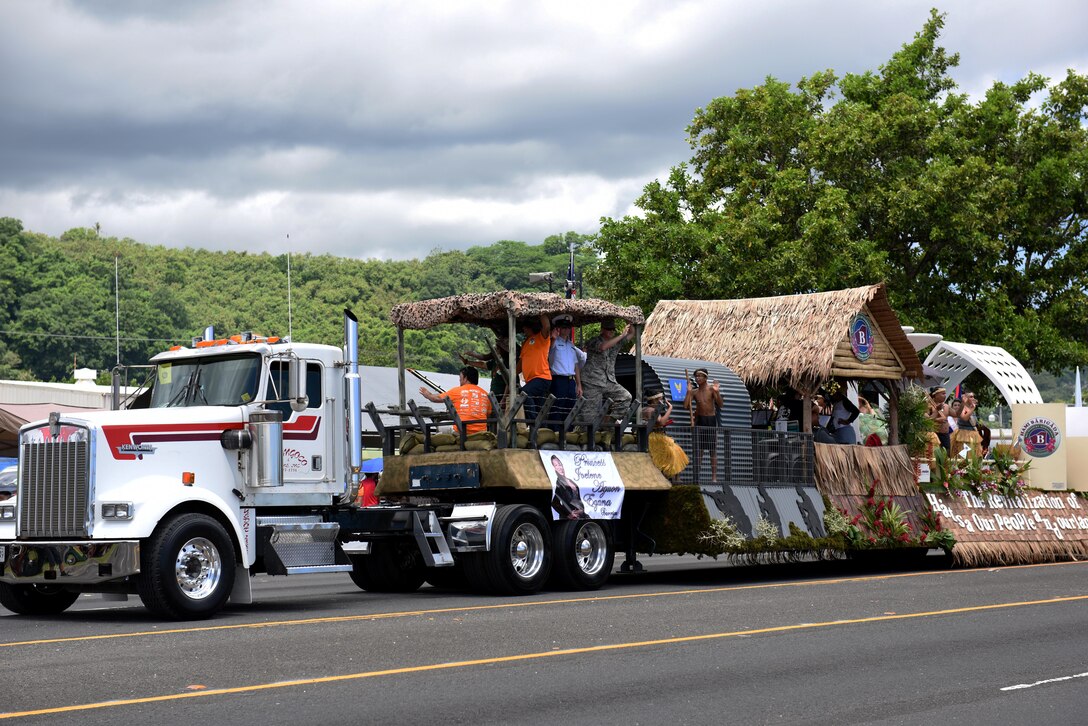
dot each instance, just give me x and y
(58, 297)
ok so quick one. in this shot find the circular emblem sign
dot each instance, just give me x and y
(861, 337)
(1041, 437)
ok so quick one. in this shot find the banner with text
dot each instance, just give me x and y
(1022, 528)
(585, 484)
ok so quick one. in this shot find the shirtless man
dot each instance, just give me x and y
(938, 412)
(707, 399)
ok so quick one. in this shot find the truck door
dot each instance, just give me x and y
(305, 458)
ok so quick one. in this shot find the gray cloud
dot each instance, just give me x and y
(387, 129)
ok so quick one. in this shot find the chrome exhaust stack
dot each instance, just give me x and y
(266, 452)
(354, 406)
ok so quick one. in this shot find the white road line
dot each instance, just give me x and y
(1020, 686)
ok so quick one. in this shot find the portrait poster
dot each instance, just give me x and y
(585, 484)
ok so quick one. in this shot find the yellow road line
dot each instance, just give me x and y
(526, 657)
(510, 605)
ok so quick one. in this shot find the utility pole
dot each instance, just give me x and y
(116, 303)
(570, 273)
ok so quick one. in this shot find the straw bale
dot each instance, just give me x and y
(515, 469)
(490, 309)
(787, 339)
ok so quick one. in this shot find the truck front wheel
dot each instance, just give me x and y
(520, 558)
(584, 554)
(36, 599)
(187, 568)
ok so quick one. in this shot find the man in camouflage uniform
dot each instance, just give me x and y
(599, 371)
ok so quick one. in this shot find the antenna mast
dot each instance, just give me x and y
(290, 333)
(117, 305)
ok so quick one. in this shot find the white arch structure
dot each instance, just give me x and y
(955, 361)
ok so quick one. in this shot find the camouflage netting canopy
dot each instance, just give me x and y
(491, 309)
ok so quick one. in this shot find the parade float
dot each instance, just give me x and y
(982, 510)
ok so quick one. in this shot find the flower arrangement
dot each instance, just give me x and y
(933, 533)
(723, 533)
(977, 476)
(880, 523)
(766, 529)
(1007, 472)
(835, 520)
(944, 477)
(1002, 474)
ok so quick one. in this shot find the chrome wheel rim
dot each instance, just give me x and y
(198, 568)
(527, 551)
(590, 548)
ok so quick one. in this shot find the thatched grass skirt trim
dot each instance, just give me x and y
(851, 470)
(984, 554)
(971, 439)
(667, 454)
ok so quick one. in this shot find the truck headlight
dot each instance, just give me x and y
(7, 512)
(117, 510)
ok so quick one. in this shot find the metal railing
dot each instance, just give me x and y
(721, 455)
(745, 456)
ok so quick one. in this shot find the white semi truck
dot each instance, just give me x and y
(244, 456)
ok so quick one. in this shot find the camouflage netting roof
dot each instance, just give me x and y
(490, 310)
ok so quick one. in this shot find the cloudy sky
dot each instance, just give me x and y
(367, 128)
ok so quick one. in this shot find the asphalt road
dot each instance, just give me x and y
(685, 643)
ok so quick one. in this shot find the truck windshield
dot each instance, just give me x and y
(219, 381)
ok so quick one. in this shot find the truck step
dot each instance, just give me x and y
(267, 520)
(431, 539)
(294, 547)
(318, 568)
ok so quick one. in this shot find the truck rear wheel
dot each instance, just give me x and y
(187, 568)
(520, 558)
(584, 554)
(36, 599)
(391, 566)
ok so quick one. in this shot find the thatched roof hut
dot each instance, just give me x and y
(795, 340)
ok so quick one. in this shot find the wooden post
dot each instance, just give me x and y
(401, 388)
(808, 398)
(893, 413)
(512, 358)
(638, 363)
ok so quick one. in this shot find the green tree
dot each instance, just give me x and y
(973, 212)
(59, 304)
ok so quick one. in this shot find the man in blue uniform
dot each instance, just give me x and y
(565, 360)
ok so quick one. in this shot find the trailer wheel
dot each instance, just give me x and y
(36, 599)
(187, 568)
(520, 558)
(584, 554)
(390, 567)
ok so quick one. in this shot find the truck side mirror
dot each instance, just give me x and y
(296, 385)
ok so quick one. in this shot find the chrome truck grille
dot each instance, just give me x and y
(55, 489)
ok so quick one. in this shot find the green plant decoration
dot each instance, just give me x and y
(914, 425)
